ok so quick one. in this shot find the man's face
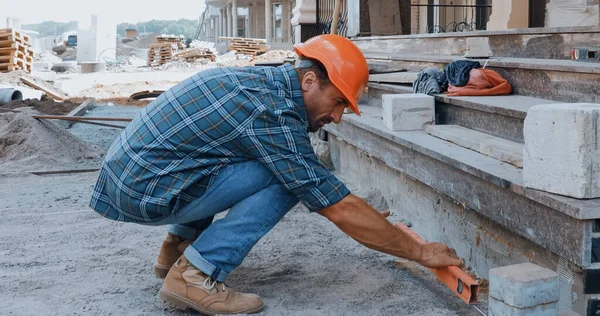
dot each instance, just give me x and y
(323, 105)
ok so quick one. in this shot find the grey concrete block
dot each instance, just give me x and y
(478, 47)
(406, 112)
(495, 147)
(524, 285)
(499, 308)
(561, 153)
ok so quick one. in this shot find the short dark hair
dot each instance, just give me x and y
(304, 65)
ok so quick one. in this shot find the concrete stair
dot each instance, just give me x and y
(474, 152)
(560, 80)
(491, 146)
(541, 43)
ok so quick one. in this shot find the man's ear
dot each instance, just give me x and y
(308, 80)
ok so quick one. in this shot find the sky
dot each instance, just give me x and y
(36, 11)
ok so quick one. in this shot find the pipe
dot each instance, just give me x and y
(9, 94)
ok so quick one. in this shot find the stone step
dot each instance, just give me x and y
(486, 185)
(495, 147)
(542, 43)
(560, 80)
(500, 116)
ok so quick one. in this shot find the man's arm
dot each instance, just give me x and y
(360, 221)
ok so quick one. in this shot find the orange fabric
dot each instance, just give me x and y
(346, 65)
(482, 82)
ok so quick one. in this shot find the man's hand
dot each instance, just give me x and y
(438, 255)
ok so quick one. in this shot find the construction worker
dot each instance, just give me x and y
(237, 139)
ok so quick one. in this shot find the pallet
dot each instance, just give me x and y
(15, 35)
(196, 53)
(7, 67)
(247, 46)
(15, 50)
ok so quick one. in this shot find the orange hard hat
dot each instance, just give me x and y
(346, 65)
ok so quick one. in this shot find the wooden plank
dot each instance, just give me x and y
(49, 92)
(394, 77)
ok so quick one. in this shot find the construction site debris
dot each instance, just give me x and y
(201, 44)
(247, 46)
(15, 51)
(46, 56)
(14, 78)
(27, 144)
(49, 91)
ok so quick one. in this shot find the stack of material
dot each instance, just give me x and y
(159, 54)
(15, 51)
(247, 46)
(192, 54)
(175, 41)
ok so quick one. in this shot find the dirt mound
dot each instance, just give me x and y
(27, 144)
(44, 107)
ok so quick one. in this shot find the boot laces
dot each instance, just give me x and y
(210, 283)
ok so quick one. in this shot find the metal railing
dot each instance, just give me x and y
(325, 18)
(471, 17)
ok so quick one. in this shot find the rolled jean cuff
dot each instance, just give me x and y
(183, 231)
(194, 257)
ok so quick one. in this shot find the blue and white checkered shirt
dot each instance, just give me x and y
(174, 148)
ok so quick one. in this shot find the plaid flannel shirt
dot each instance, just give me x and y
(174, 148)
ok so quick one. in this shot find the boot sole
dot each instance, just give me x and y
(161, 271)
(184, 303)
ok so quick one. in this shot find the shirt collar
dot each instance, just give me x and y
(293, 85)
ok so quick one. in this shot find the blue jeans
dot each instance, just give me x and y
(256, 201)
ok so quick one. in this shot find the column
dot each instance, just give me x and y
(509, 14)
(304, 16)
(221, 22)
(249, 29)
(230, 22)
(268, 21)
(226, 26)
(234, 19)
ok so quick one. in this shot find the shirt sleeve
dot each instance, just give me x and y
(282, 144)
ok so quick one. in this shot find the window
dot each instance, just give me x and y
(277, 23)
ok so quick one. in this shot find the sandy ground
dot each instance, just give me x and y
(57, 257)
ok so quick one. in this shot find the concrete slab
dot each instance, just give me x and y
(495, 147)
(561, 150)
(396, 77)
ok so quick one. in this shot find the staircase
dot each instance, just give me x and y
(472, 156)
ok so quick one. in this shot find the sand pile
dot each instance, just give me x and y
(27, 144)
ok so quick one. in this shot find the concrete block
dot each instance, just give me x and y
(524, 285)
(561, 153)
(407, 112)
(499, 308)
(478, 47)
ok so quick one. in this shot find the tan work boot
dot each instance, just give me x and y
(187, 287)
(172, 248)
